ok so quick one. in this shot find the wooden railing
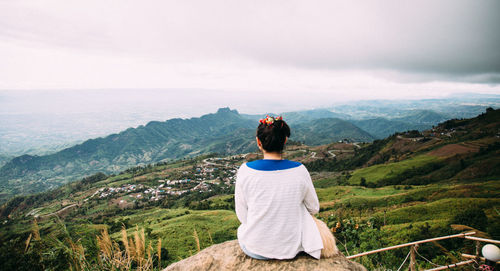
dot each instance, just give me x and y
(414, 245)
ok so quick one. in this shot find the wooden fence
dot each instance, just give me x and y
(414, 246)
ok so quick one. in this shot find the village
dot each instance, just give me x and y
(210, 171)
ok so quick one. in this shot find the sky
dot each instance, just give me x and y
(296, 52)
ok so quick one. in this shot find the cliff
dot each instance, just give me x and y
(229, 256)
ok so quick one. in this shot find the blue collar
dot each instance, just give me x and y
(270, 164)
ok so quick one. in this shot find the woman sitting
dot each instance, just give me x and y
(275, 200)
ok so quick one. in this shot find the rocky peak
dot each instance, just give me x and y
(229, 256)
(226, 110)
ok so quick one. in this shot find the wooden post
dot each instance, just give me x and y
(412, 259)
(478, 245)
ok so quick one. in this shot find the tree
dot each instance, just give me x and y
(363, 182)
(472, 217)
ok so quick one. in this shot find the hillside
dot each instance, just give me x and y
(27, 131)
(153, 142)
(303, 116)
(180, 138)
(423, 117)
(382, 127)
(4, 159)
(406, 187)
(326, 130)
(224, 132)
(390, 120)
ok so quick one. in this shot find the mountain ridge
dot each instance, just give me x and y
(225, 132)
(372, 195)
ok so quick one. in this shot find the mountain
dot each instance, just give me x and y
(393, 120)
(224, 132)
(4, 159)
(309, 115)
(297, 117)
(323, 131)
(457, 106)
(25, 129)
(407, 187)
(412, 120)
(454, 150)
(154, 142)
(382, 127)
(423, 117)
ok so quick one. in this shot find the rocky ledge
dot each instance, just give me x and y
(229, 256)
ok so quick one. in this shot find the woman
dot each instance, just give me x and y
(275, 200)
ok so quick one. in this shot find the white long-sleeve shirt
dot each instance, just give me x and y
(274, 201)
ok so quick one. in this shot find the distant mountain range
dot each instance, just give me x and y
(25, 131)
(302, 116)
(224, 132)
(415, 120)
(377, 127)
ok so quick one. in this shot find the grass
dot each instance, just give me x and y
(344, 192)
(418, 203)
(377, 172)
(440, 209)
(400, 233)
(184, 232)
(177, 228)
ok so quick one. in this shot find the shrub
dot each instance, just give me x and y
(472, 217)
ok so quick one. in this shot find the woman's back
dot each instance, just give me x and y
(274, 199)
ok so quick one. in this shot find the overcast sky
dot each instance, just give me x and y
(326, 49)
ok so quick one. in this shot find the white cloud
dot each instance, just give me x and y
(302, 49)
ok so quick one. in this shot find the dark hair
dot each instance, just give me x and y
(273, 136)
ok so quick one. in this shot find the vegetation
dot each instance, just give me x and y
(360, 157)
(225, 132)
(396, 173)
(392, 191)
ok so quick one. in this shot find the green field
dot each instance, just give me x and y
(176, 228)
(375, 173)
(400, 201)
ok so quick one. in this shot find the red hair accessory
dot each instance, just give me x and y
(270, 120)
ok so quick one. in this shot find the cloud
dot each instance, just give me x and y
(247, 44)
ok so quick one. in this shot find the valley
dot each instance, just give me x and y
(409, 186)
(43, 152)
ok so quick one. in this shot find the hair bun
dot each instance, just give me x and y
(272, 133)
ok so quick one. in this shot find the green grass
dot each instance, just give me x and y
(400, 233)
(121, 182)
(440, 209)
(417, 203)
(176, 226)
(377, 172)
(221, 202)
(324, 183)
(343, 192)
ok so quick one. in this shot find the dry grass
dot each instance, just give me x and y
(35, 234)
(78, 261)
(36, 231)
(464, 228)
(197, 240)
(158, 252)
(28, 242)
(134, 254)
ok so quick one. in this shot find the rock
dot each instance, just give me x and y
(229, 256)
